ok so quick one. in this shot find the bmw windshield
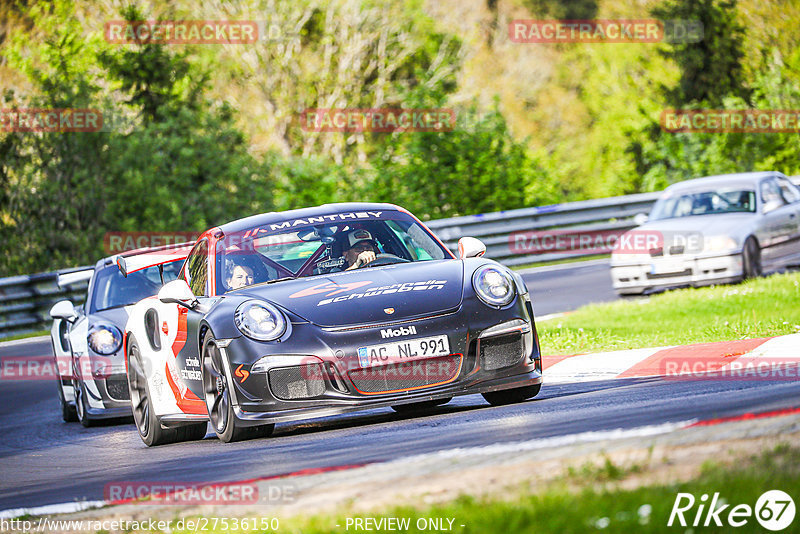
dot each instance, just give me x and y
(676, 204)
(289, 250)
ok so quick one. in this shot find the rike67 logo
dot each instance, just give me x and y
(774, 510)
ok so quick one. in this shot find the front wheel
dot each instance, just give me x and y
(218, 398)
(751, 259)
(80, 404)
(68, 411)
(147, 424)
(511, 396)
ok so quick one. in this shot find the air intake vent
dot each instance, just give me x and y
(415, 374)
(117, 387)
(501, 351)
(297, 382)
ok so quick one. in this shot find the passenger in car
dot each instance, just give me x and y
(241, 276)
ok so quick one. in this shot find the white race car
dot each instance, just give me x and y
(87, 339)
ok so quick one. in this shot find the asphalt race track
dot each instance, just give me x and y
(45, 461)
(562, 288)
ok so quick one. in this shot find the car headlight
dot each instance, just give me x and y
(494, 286)
(260, 320)
(104, 338)
(719, 243)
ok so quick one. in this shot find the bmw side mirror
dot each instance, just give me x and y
(177, 292)
(63, 309)
(640, 218)
(772, 205)
(469, 247)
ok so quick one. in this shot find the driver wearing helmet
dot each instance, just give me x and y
(361, 249)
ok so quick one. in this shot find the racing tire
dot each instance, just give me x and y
(511, 396)
(218, 399)
(191, 432)
(144, 418)
(80, 404)
(751, 259)
(69, 412)
(420, 406)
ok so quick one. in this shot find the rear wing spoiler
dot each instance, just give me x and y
(74, 277)
(153, 257)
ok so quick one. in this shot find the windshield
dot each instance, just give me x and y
(673, 205)
(275, 252)
(112, 290)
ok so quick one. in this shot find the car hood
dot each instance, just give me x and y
(370, 295)
(709, 225)
(116, 316)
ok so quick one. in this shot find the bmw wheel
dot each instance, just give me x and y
(751, 259)
(511, 396)
(219, 403)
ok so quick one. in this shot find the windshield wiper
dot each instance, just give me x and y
(285, 278)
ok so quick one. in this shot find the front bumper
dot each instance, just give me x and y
(105, 382)
(473, 338)
(632, 276)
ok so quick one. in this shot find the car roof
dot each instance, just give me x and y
(303, 213)
(742, 179)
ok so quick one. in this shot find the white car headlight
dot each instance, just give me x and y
(104, 338)
(719, 243)
(260, 320)
(494, 286)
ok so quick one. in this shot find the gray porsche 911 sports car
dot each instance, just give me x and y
(319, 311)
(87, 339)
(712, 230)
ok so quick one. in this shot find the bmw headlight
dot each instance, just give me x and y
(719, 243)
(494, 286)
(104, 338)
(260, 320)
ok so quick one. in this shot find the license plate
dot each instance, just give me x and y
(666, 267)
(401, 351)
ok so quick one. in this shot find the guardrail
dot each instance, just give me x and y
(26, 300)
(502, 232)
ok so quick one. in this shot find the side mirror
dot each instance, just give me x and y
(640, 218)
(772, 205)
(63, 309)
(177, 292)
(469, 247)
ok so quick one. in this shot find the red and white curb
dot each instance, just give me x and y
(764, 358)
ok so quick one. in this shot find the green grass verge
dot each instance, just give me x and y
(757, 308)
(24, 336)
